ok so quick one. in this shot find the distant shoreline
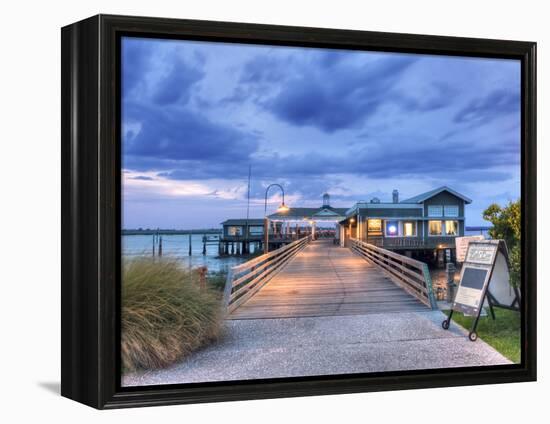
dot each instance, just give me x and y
(149, 232)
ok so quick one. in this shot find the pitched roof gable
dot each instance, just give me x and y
(310, 212)
(429, 194)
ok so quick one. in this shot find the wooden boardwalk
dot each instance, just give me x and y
(327, 280)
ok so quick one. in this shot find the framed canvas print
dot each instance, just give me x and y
(254, 211)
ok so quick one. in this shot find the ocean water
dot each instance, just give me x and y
(177, 246)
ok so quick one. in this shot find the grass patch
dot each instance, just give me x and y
(216, 280)
(165, 313)
(503, 333)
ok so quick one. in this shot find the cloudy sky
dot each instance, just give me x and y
(196, 115)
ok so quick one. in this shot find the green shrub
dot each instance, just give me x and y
(165, 313)
(507, 226)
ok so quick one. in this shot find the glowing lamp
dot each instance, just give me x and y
(283, 208)
(392, 229)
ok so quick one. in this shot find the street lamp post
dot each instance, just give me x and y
(282, 208)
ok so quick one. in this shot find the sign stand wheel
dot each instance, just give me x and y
(472, 336)
(445, 324)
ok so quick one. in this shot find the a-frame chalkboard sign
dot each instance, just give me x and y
(484, 278)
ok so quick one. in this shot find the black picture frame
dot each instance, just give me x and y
(91, 202)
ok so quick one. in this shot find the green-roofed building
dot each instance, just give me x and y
(323, 213)
(429, 221)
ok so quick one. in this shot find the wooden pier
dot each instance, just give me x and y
(322, 279)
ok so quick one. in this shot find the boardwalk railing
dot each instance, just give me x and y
(411, 275)
(244, 280)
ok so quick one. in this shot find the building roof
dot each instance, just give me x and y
(389, 212)
(429, 194)
(243, 221)
(373, 207)
(301, 213)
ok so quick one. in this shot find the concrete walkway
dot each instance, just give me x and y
(291, 347)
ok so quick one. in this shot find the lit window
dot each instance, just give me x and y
(392, 228)
(374, 226)
(451, 228)
(234, 231)
(409, 229)
(434, 210)
(434, 228)
(451, 210)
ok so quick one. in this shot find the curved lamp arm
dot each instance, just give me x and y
(267, 189)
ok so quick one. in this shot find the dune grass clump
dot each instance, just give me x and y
(165, 313)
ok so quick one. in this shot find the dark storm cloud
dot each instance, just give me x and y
(173, 134)
(135, 62)
(394, 160)
(343, 96)
(265, 69)
(176, 85)
(163, 131)
(331, 92)
(140, 59)
(328, 90)
(496, 104)
(437, 96)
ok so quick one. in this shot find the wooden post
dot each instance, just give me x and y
(153, 245)
(160, 246)
(228, 288)
(266, 235)
(429, 286)
(202, 277)
(204, 244)
(190, 248)
(450, 270)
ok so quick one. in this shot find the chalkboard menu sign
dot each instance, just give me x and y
(462, 243)
(478, 272)
(474, 278)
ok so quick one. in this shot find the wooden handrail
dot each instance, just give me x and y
(244, 280)
(411, 275)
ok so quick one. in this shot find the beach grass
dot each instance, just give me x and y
(216, 280)
(166, 314)
(503, 333)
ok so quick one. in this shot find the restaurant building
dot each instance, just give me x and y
(429, 221)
